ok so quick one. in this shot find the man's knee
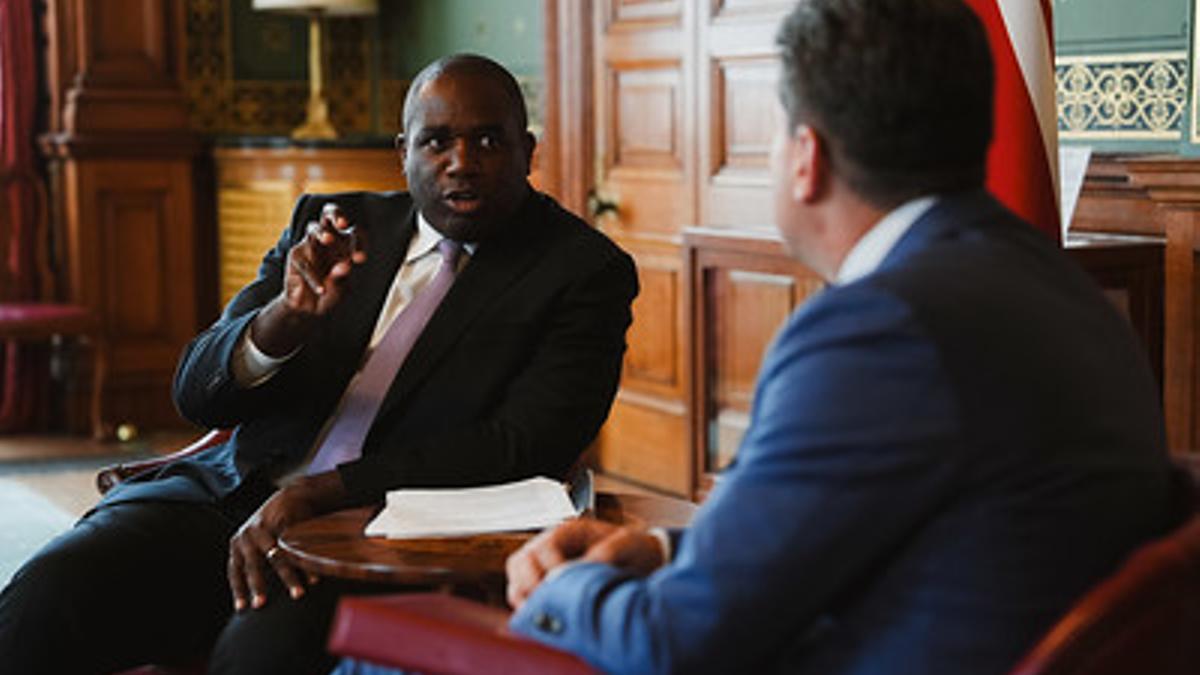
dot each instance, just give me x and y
(101, 594)
(285, 636)
(44, 615)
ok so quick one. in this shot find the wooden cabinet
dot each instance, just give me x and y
(743, 288)
(127, 216)
(257, 187)
(1159, 196)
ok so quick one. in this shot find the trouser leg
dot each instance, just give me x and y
(285, 635)
(130, 584)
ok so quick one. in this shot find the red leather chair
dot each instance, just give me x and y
(109, 476)
(1145, 618)
(44, 320)
(439, 633)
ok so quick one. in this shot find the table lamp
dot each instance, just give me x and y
(316, 123)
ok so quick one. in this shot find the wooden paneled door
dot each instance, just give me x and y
(677, 101)
(644, 119)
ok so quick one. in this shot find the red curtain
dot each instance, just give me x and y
(23, 371)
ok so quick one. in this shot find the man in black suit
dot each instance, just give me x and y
(511, 377)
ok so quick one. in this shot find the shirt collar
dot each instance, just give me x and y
(426, 239)
(873, 247)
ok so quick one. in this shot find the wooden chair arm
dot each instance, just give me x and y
(109, 476)
(439, 633)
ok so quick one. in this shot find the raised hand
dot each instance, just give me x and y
(319, 265)
(315, 281)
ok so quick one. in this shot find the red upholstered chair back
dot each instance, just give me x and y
(1145, 618)
(43, 318)
(439, 633)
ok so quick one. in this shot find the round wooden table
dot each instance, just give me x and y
(335, 546)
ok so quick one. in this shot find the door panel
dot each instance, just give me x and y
(684, 100)
(645, 148)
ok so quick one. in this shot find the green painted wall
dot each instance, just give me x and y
(509, 31)
(247, 70)
(1124, 69)
(267, 45)
(1102, 26)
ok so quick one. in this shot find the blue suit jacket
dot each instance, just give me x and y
(540, 312)
(942, 456)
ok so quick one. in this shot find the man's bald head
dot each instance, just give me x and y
(470, 65)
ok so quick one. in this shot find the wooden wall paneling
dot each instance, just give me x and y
(1180, 362)
(646, 439)
(642, 10)
(643, 135)
(743, 289)
(124, 168)
(134, 265)
(1159, 196)
(1174, 186)
(566, 149)
(127, 78)
(1130, 272)
(742, 286)
(1111, 203)
(737, 91)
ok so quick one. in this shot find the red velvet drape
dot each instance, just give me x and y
(22, 368)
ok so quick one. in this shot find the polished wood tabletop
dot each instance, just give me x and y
(334, 545)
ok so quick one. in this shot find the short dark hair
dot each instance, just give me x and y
(473, 64)
(900, 90)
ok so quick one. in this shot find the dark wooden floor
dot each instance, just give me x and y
(47, 447)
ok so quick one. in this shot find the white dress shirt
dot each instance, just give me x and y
(873, 247)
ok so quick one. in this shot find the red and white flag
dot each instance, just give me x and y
(1023, 160)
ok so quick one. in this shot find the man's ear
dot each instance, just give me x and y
(401, 146)
(808, 163)
(401, 150)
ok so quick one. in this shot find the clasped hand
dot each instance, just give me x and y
(583, 539)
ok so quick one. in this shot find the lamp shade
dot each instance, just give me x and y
(328, 7)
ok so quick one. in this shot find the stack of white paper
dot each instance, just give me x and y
(530, 504)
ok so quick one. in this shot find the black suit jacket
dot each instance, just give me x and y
(512, 376)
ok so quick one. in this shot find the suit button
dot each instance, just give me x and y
(547, 623)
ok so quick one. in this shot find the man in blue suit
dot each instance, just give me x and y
(948, 445)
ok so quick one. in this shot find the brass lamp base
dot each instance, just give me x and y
(316, 125)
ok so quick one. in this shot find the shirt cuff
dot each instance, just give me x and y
(664, 542)
(557, 571)
(250, 366)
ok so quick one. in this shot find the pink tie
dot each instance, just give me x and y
(344, 441)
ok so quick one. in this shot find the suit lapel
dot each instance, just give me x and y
(495, 265)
